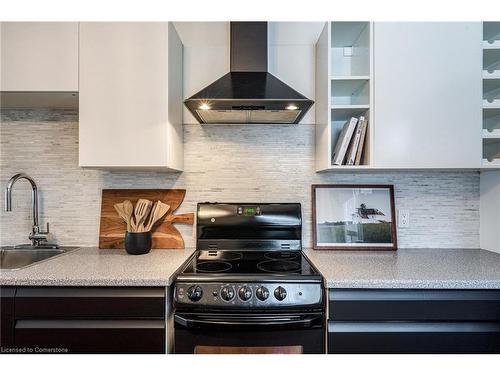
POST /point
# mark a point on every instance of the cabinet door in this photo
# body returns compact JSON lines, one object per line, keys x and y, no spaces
{"x":405,"y":305}
{"x":90,"y":319}
{"x":395,"y":337}
{"x":427,"y":95}
{"x":413,"y":321}
{"x":92,"y":336}
{"x":7,"y":295}
{"x":90,"y":302}
{"x":130,"y":96}
{"x":39,"y":56}
{"x":489,"y":208}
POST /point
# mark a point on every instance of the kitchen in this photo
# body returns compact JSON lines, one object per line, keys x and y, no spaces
{"x":103,"y":117}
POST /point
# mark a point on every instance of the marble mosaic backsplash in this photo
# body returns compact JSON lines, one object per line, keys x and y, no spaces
{"x":265,"y":163}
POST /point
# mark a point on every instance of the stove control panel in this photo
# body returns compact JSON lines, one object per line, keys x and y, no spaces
{"x":248,"y":295}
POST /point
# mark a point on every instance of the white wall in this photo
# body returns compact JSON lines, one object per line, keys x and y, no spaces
{"x":268,"y":163}
{"x":291,"y":56}
{"x":490,"y":210}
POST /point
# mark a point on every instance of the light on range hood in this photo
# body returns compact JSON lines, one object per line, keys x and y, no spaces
{"x":248,"y":94}
{"x":204,"y":106}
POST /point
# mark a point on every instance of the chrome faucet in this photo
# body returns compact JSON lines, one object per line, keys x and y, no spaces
{"x":38,"y":238}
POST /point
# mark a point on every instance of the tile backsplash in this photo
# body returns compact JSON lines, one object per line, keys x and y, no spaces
{"x":271,"y":163}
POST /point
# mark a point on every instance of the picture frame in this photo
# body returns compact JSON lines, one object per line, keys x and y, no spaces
{"x":353,"y":217}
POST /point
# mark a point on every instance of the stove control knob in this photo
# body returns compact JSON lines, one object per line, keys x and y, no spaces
{"x":262,"y":293}
{"x":195,"y":293}
{"x":245,"y":293}
{"x":280,"y":293}
{"x":227,"y":293}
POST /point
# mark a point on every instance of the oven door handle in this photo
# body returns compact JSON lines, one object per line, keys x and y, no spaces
{"x":276,"y":321}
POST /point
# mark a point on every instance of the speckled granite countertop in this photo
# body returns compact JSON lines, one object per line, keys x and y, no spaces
{"x":406,"y":268}
{"x":94,"y":267}
{"x":409,"y":268}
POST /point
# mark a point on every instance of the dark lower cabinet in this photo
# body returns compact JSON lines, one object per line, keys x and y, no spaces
{"x":7,"y":295}
{"x":89,"y":320}
{"x":413,"y":321}
{"x":91,"y":336}
{"x":416,"y":337}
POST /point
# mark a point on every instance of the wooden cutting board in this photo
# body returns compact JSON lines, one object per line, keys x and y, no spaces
{"x":165,"y":235}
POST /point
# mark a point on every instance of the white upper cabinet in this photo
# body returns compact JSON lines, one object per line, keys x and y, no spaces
{"x":130,"y":96}
{"x":427,"y":95}
{"x":39,"y":56}
{"x":344,"y":81}
{"x":489,"y":207}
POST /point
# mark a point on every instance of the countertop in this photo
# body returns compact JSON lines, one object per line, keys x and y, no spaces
{"x":93,"y":267}
{"x":409,"y":268}
{"x":405,"y":268}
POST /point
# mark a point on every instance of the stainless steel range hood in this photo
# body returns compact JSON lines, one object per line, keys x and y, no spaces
{"x":248,"y":94}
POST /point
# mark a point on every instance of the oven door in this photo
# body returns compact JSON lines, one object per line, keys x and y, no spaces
{"x":249,"y":333}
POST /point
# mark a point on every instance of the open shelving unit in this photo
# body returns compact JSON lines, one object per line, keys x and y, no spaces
{"x":344,"y":76}
{"x":491,"y":95}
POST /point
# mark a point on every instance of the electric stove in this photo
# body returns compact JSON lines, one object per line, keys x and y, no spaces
{"x":249,"y":288}
{"x":249,"y":257}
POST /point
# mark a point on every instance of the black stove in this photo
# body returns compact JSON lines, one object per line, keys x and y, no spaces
{"x":249,"y":288}
{"x":245,"y":250}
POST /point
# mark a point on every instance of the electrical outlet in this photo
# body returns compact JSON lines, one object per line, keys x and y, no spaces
{"x":348,"y":51}
{"x":403,"y":218}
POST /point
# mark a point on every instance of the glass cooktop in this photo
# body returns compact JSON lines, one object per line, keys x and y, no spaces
{"x":207,"y":262}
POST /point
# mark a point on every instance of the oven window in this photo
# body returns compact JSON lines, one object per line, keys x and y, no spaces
{"x":206,"y":349}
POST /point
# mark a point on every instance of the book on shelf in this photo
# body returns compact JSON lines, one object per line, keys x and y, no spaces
{"x":339,"y":152}
{"x":350,"y":142}
{"x":354,"y":145}
{"x":359,"y":151}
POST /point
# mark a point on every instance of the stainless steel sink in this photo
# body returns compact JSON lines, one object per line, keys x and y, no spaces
{"x":14,"y":259}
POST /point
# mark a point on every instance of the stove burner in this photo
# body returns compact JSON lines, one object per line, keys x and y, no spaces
{"x":217,"y":255}
{"x":210,"y":267}
{"x":281,"y":255}
{"x":280,"y":266}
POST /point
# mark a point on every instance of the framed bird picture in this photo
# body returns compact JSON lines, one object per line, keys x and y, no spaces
{"x":353,"y":217}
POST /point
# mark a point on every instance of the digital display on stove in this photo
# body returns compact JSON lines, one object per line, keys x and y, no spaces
{"x":249,"y":211}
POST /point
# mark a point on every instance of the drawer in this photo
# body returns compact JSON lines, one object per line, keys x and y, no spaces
{"x":7,"y":295}
{"x":40,"y":303}
{"x":91,"y":336}
{"x":413,"y":305}
{"x":413,"y":337}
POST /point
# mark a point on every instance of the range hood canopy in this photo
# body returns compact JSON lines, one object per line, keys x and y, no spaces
{"x":248,"y":93}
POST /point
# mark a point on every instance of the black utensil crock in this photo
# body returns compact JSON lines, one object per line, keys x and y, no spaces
{"x":138,"y":243}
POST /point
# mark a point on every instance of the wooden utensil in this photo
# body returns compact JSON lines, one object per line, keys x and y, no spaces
{"x":165,"y":235}
{"x":159,"y":209}
{"x":147,"y":222}
{"x":142,"y":208}
{"x":121,"y":211}
{"x":128,"y":209}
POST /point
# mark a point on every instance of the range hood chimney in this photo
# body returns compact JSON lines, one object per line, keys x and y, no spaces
{"x":248,"y":94}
